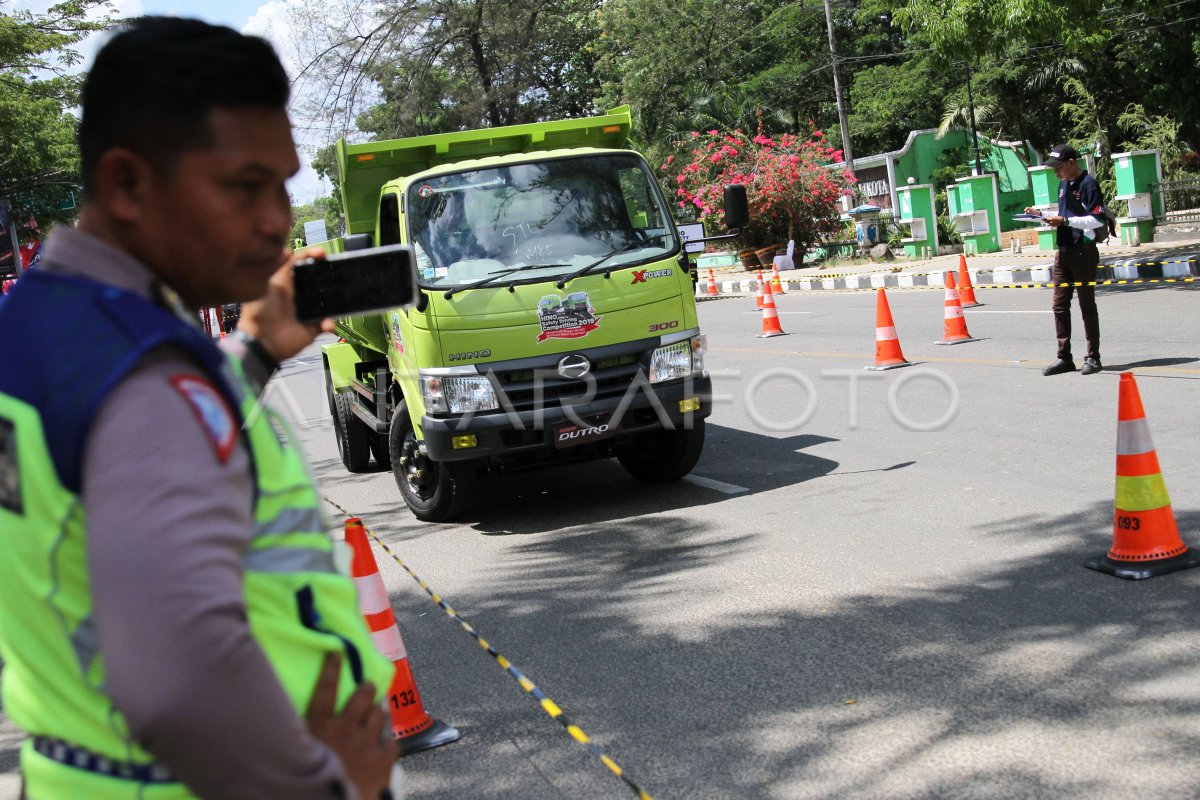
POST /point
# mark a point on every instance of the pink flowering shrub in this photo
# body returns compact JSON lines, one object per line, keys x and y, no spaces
{"x":792,"y":193}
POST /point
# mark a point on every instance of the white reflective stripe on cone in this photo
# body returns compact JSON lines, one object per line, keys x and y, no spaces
{"x":372,"y":594}
{"x":389,"y":643}
{"x":1133,"y":437}
{"x":953,"y":311}
{"x":885,"y":334}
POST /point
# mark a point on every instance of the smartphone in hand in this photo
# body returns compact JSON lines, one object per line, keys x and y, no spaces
{"x":355,"y":282}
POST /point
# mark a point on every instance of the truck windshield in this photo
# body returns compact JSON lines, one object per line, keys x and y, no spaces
{"x":538,"y":220}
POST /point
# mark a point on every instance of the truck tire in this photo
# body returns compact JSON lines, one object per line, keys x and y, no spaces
{"x":353,"y":438}
{"x":434,"y":491}
{"x":381,"y":450}
{"x":663,"y":456}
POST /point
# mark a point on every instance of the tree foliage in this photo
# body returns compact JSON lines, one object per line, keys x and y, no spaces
{"x":793,"y":194}
{"x":409,"y":67}
{"x":322,"y":208}
{"x":39,"y":157}
{"x":403,"y":67}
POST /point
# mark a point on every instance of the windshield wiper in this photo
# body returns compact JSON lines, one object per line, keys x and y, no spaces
{"x":625,"y":248}
{"x":497,"y":275}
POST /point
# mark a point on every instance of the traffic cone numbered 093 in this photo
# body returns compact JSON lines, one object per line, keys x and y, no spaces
{"x":955,"y":324}
{"x":412,"y":725}
{"x":1146,"y":539}
{"x":887,"y":344}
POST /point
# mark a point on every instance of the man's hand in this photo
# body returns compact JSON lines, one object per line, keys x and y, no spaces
{"x":358,"y":734}
{"x":272,"y":318}
{"x":1054,"y":220}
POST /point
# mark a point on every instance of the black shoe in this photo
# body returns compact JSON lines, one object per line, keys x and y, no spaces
{"x":1059,"y":367}
{"x":1091,"y":366}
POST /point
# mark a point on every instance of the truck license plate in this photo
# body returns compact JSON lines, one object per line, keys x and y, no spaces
{"x":569,"y":434}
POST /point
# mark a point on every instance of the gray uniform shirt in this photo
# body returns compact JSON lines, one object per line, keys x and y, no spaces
{"x":169,"y":520}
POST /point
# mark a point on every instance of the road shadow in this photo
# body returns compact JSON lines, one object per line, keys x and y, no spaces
{"x":1014,"y":678}
{"x":1150,"y":362}
{"x":591,"y":492}
{"x":601,"y":491}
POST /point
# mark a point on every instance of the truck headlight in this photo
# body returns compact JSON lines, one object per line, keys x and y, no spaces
{"x":458,"y":394}
{"x":677,"y":360}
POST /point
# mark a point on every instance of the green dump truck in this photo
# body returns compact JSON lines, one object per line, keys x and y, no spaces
{"x":556,"y":320}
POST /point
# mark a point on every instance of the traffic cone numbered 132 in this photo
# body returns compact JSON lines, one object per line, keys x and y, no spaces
{"x":412,"y":725}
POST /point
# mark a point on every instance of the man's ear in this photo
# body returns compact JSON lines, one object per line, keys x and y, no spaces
{"x":123,"y":181}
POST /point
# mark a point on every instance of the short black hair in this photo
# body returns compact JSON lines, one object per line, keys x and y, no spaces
{"x":153,"y":85}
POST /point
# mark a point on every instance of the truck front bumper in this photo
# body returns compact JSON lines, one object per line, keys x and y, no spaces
{"x":648,"y":407}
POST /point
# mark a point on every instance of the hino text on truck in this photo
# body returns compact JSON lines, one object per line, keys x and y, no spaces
{"x":555,"y":321}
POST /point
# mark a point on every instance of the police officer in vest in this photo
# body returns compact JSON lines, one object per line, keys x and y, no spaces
{"x":1081,"y":222}
{"x":172,"y":621}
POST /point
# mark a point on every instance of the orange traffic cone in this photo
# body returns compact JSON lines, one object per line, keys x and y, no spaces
{"x":758,"y":297}
{"x":955,"y":325}
{"x":966,"y":292}
{"x":712,"y":283}
{"x":776,"y":284}
{"x":770,"y":323}
{"x":1145,"y":539}
{"x":412,"y":725}
{"x":887,"y":345}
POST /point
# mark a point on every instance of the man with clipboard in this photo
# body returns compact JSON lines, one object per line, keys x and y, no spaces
{"x":1081,"y":222}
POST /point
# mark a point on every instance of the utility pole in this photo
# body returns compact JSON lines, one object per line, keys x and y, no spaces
{"x":837,"y":90}
{"x":971,"y":110}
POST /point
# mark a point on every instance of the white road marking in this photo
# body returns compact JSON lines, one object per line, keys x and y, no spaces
{"x":709,"y":483}
{"x":999,"y":311}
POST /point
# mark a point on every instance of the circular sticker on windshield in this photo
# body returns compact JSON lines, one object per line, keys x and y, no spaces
{"x":425,"y":191}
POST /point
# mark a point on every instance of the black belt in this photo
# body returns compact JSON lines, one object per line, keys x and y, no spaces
{"x":72,"y":755}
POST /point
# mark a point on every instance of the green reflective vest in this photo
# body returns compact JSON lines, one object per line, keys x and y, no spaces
{"x":300,"y":606}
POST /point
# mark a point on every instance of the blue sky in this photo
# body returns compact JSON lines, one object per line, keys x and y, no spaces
{"x":234,"y":13}
{"x":266,"y":18}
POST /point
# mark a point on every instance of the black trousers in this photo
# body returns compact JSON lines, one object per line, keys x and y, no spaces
{"x":1076,"y":265}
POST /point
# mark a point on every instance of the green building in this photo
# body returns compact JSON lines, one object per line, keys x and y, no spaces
{"x":881,"y":176}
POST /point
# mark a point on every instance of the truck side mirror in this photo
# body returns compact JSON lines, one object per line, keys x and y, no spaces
{"x":737,"y":208}
{"x":357,"y":241}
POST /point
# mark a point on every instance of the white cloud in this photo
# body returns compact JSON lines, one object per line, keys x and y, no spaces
{"x":273,"y":22}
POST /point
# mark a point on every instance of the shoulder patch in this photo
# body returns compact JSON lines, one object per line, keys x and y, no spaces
{"x":211,"y":410}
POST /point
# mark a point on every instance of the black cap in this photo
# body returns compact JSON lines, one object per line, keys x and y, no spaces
{"x":1061,"y":154}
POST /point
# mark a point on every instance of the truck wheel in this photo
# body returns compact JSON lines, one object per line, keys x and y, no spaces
{"x":329,"y":392}
{"x":434,"y":491}
{"x":663,"y":456}
{"x":380,"y":449}
{"x":354,"y":444}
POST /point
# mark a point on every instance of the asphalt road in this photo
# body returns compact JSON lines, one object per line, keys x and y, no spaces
{"x":877,"y":599}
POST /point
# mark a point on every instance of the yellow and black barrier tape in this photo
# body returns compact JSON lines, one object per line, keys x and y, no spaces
{"x":1181,"y":259}
{"x":1052,"y":285}
{"x":548,"y":705}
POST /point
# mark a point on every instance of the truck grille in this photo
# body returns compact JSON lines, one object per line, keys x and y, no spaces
{"x":609,"y":378}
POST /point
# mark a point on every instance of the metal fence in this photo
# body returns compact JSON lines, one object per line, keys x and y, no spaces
{"x":1181,"y":200}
